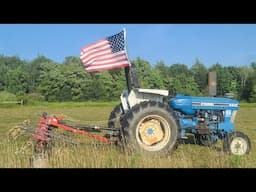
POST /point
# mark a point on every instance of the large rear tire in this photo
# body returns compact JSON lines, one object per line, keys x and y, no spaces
{"x":114,"y":122}
{"x":114,"y":117}
{"x":150,"y":128}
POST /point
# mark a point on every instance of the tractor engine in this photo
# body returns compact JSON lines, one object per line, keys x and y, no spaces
{"x":207,"y":120}
{"x":206,"y":117}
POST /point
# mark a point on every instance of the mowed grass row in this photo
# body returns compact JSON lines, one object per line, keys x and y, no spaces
{"x":94,"y":154}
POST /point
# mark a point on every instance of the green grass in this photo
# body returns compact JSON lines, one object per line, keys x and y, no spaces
{"x":247,"y":105}
{"x":93,"y":154}
{"x":62,"y":104}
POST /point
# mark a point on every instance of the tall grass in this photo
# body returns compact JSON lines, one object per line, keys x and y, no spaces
{"x":93,"y":154}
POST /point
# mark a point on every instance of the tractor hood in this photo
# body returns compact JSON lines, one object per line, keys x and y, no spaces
{"x":189,"y":104}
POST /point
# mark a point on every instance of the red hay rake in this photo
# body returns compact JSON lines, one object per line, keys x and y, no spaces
{"x":43,"y":133}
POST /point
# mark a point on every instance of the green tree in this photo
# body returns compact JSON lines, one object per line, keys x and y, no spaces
{"x":253,"y":94}
{"x":253,"y":65}
{"x":224,"y":79}
{"x":178,"y":69}
{"x":3,"y":77}
{"x":182,"y":84}
{"x":18,"y":81}
{"x":35,"y":68}
{"x":246,"y":82}
{"x":234,"y":80}
{"x":148,"y":76}
{"x":6,"y":64}
{"x":163,"y":70}
{"x":200,"y":74}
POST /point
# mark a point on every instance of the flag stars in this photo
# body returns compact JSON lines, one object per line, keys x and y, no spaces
{"x":117,"y":42}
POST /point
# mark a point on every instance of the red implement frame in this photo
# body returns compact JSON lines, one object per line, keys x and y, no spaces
{"x":42,"y":131}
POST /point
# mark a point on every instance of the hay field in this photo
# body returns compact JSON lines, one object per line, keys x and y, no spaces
{"x":93,"y":154}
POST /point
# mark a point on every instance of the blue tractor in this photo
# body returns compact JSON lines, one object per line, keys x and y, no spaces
{"x":210,"y":119}
{"x":147,"y":122}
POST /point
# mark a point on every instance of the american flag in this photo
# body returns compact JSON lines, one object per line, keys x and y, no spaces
{"x":106,"y":54}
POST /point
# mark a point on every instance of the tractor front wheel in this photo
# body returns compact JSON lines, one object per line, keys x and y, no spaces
{"x":237,"y":143}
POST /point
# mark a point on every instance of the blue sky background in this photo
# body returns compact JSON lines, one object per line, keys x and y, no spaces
{"x":228,"y":44}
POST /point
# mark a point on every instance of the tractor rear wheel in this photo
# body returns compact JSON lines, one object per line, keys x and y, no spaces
{"x":114,"y":117}
{"x":150,"y":128}
{"x":237,"y":143}
{"x":114,"y":122}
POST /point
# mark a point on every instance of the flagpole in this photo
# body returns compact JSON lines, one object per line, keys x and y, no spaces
{"x":127,"y":69}
{"x":126,"y":53}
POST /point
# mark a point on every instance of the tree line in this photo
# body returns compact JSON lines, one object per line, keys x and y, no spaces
{"x":45,"y":80}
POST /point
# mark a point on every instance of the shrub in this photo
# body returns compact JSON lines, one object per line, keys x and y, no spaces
{"x":6,"y":96}
{"x":35,"y":97}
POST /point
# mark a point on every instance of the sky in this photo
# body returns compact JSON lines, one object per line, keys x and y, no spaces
{"x":227,"y":44}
